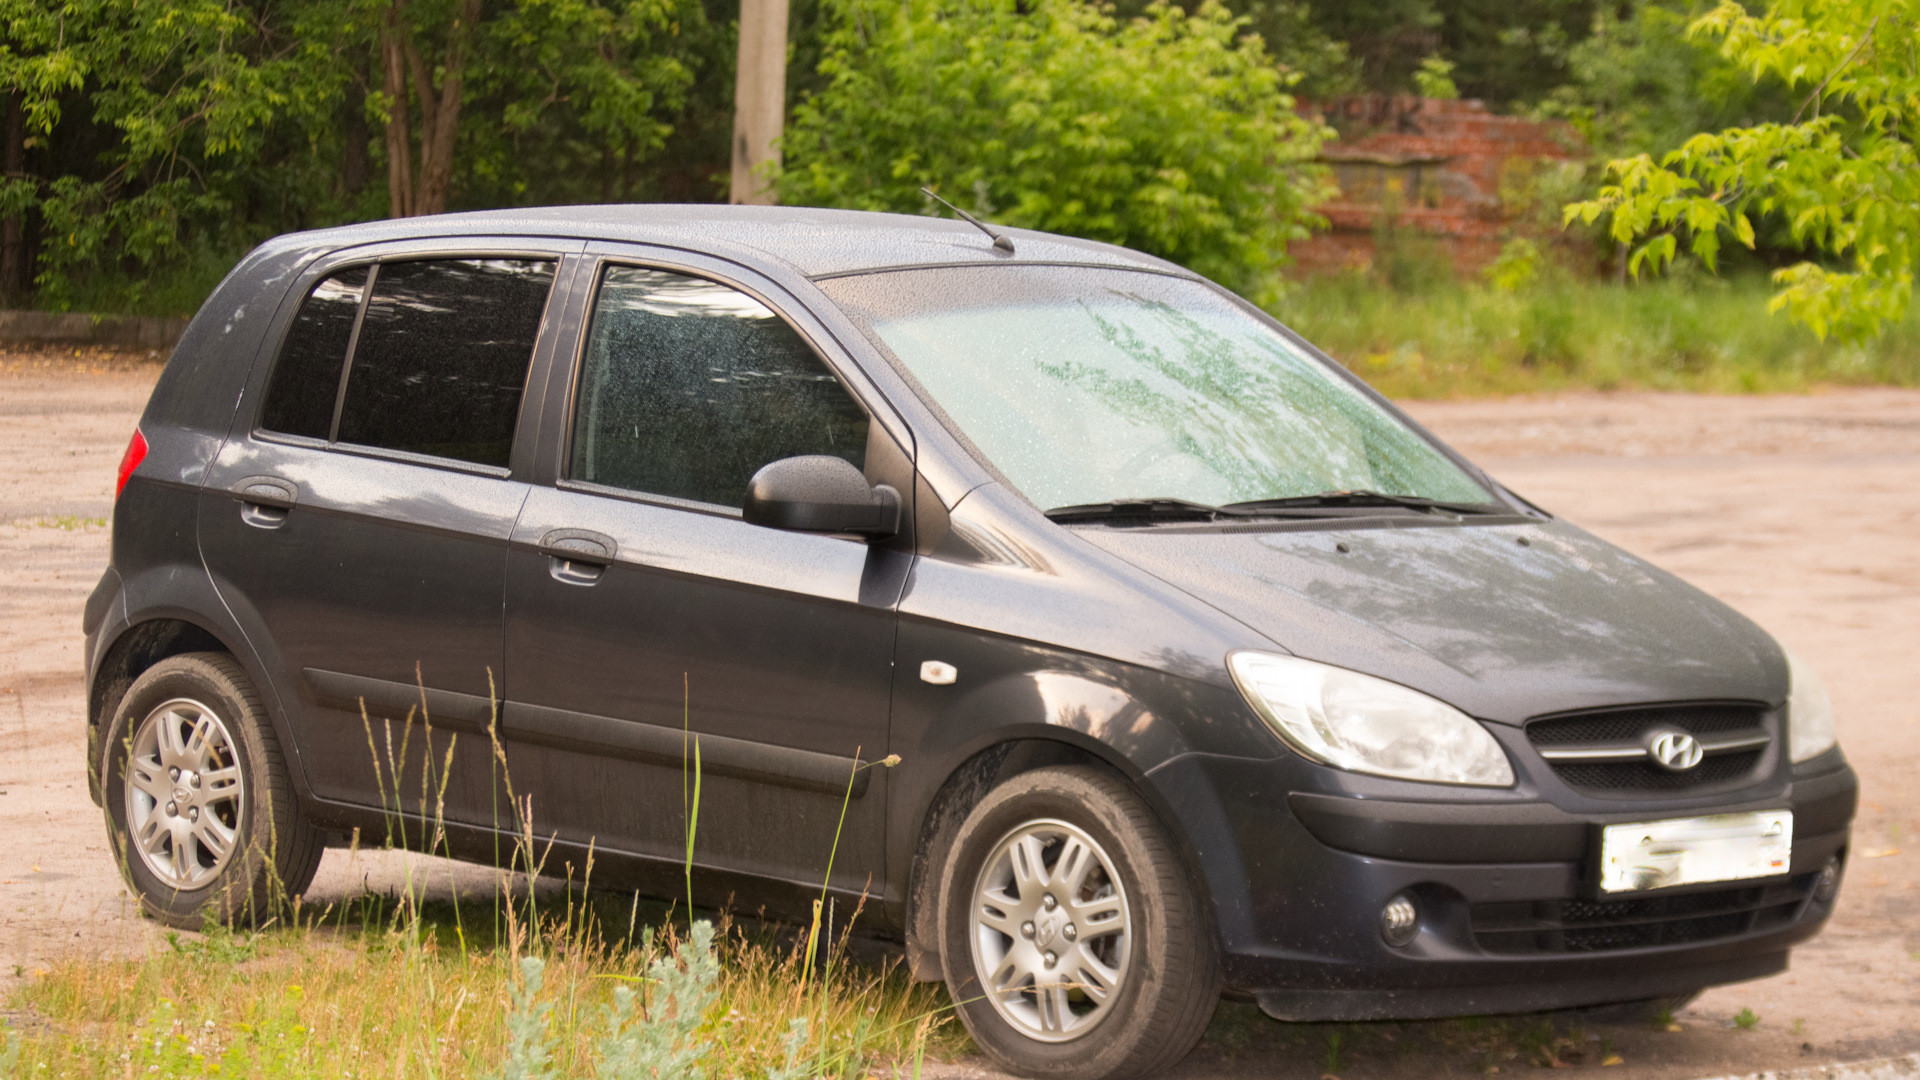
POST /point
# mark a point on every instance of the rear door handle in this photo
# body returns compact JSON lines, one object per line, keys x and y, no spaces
{"x":265,"y":500}
{"x":577,"y":556}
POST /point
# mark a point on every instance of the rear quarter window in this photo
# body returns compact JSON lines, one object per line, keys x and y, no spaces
{"x":306,"y":381}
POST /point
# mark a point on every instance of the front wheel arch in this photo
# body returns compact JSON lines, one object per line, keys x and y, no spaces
{"x":964,"y":787}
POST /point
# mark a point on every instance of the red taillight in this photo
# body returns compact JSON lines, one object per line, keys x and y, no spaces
{"x":136,"y":453}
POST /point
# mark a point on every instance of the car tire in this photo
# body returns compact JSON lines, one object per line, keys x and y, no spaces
{"x":200,"y":809}
{"x":1066,"y":874}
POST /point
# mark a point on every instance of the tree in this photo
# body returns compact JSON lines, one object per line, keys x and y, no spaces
{"x":1172,"y":133}
{"x":578,"y":83}
{"x":1842,"y":172}
{"x":177,"y":134}
{"x":1640,"y":83}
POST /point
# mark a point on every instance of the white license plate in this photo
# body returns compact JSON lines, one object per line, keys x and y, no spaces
{"x":1688,"y":851}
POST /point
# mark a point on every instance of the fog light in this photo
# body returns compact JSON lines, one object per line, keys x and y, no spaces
{"x":1828,"y":883}
{"x":1399,"y":920}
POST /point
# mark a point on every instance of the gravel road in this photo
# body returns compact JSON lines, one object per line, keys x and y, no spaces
{"x":1800,"y":511}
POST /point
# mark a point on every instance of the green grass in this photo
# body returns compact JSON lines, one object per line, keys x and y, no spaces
{"x":520,"y":985}
{"x":65,"y":523}
{"x":1454,"y":339}
{"x":366,"y":994}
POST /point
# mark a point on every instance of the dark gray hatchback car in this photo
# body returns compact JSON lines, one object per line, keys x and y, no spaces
{"x":1207,"y":669}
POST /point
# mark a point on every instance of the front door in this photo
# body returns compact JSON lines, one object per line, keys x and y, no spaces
{"x":644,"y":615}
{"x":358,"y":528}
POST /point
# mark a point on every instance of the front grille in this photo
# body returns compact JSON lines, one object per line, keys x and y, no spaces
{"x":1626,"y":731}
{"x":1623,"y":725}
{"x":1646,"y":776}
{"x":1585,"y":926}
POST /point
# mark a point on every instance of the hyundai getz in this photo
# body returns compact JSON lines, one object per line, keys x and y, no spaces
{"x":1206,"y":668}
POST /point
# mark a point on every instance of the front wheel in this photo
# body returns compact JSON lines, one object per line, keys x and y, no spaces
{"x":198,"y":802}
{"x":1073,"y":944}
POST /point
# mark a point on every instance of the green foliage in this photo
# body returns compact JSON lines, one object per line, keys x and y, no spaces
{"x":1842,"y":173}
{"x":1746,"y":1019}
{"x":164,"y":139}
{"x":570,"y":96}
{"x":664,"y":1041}
{"x":1172,"y":133}
{"x":1639,"y":83}
{"x":1434,"y":79}
{"x":1517,"y":267}
{"x":1507,"y":52}
{"x":529,"y":1047}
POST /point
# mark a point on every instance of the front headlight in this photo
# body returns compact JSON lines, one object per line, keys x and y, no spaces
{"x":1353,"y":721}
{"x":1810,"y":730}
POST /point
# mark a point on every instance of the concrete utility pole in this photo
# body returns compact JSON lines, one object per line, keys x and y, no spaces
{"x":759,"y":98}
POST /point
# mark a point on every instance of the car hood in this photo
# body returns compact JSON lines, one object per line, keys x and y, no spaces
{"x":1504,"y":622}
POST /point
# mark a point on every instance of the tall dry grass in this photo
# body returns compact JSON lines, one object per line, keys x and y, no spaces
{"x":523,"y":981}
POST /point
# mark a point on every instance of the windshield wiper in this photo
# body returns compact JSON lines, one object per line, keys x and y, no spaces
{"x":1362,"y":499}
{"x":1149,"y":511}
{"x":1140,"y":510}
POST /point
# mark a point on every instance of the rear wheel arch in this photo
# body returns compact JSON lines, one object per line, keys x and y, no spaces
{"x":136,"y":649}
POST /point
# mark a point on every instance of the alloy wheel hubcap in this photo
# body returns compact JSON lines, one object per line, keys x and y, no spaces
{"x":184,"y":793}
{"x":1051,"y":931}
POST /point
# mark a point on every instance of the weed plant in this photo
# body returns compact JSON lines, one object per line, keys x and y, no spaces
{"x":1432,"y":335}
{"x":529,"y":981}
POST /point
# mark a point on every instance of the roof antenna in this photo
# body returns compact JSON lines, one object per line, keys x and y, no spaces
{"x":1000,"y":240}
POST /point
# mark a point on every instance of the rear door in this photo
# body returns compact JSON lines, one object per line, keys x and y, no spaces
{"x":644,"y":614}
{"x":358,"y":525}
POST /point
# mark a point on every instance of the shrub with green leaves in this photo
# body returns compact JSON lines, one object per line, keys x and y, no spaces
{"x":1843,"y":172}
{"x":1173,"y":133}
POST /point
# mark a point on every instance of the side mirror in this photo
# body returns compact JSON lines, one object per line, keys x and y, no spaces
{"x":818,"y":493}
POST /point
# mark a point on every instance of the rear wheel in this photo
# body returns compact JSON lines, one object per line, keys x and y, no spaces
{"x":1073,"y":944}
{"x":198,"y":802}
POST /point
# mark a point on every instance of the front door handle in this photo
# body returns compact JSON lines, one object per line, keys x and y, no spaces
{"x":265,"y":500}
{"x":577,"y":556}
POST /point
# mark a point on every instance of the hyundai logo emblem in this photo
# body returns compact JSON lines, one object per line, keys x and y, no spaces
{"x":1675,"y":751}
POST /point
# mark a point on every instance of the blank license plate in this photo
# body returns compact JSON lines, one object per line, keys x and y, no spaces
{"x":1688,"y":851}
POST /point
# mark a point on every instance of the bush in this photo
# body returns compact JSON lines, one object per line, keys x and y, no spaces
{"x":1171,"y":133}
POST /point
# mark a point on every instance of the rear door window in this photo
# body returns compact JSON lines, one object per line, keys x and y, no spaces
{"x":434,"y":354}
{"x":689,"y":387}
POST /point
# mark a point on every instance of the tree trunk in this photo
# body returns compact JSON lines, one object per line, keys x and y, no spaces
{"x":13,"y":246}
{"x":412,"y":194}
{"x":759,"y":99}
{"x":399,"y":144}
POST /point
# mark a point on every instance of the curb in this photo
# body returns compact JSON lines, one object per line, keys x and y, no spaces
{"x":127,"y":332}
{"x":1893,"y":1068}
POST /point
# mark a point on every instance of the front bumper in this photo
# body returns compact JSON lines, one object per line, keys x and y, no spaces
{"x":1509,"y":921}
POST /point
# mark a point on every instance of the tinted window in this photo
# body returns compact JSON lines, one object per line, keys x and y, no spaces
{"x":442,"y":357}
{"x":690,"y":387}
{"x":307,"y":378}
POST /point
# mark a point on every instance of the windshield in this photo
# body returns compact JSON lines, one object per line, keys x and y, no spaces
{"x":1086,"y":385}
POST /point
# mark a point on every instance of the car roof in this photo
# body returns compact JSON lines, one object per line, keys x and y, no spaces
{"x":811,"y":241}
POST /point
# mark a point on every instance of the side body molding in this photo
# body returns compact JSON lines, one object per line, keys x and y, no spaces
{"x":806,"y":770}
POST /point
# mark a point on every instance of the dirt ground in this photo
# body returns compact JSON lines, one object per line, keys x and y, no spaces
{"x":1800,"y":511}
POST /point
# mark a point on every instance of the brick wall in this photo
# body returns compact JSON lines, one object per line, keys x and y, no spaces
{"x":1435,"y":167}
